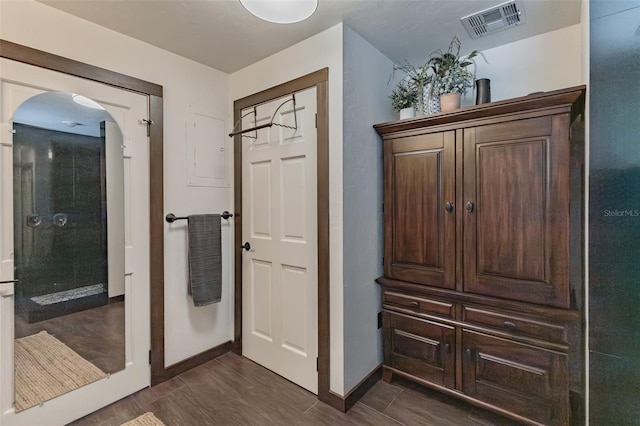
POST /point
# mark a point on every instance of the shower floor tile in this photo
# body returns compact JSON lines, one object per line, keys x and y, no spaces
{"x":63,"y":296}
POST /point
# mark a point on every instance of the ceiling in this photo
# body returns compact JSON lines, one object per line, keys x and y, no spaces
{"x":223,"y":35}
{"x":57,"y":111}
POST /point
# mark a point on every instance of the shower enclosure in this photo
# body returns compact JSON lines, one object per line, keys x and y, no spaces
{"x":60,"y":222}
{"x":614,"y":212}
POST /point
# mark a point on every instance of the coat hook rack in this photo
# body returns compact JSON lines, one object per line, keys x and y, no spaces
{"x":271,"y":123}
{"x":172,"y":217}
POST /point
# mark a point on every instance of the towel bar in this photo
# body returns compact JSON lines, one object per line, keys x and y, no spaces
{"x":172,"y":217}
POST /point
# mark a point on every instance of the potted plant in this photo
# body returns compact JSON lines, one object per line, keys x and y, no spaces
{"x":404,"y":98}
{"x":415,"y":79}
{"x":451,"y":77}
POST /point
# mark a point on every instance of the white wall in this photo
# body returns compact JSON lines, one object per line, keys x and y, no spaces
{"x":546,"y":62}
{"x":317,"y":52}
{"x":188,"y":86}
{"x":365,"y":103}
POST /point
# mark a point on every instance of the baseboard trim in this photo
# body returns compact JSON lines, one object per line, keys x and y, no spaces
{"x":344,"y":403}
{"x":194,"y":361}
{"x":116,"y":299}
{"x":363,"y":387}
{"x":333,"y":400}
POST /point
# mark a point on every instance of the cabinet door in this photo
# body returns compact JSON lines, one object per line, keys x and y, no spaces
{"x":419,"y":209}
{"x":516,"y":223}
{"x":525,"y":380}
{"x":424,"y":349}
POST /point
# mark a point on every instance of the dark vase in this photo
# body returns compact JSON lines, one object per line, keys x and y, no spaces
{"x":483,"y":91}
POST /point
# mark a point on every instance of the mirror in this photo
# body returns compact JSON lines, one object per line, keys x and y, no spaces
{"x":68,"y":188}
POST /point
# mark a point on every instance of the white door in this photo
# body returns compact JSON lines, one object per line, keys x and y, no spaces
{"x":280,"y":272}
{"x":19,"y":82}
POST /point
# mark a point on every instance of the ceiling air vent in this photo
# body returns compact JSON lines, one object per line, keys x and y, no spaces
{"x":494,"y":19}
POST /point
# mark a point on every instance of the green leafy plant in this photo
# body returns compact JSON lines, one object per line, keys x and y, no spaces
{"x":446,"y":71}
{"x":404,"y":95}
{"x":415,"y":79}
{"x":414,"y":76}
{"x":450,"y":71}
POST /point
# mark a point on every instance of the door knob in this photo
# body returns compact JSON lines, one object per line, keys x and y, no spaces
{"x":246,"y":246}
{"x":448,"y":207}
{"x":469,"y":206}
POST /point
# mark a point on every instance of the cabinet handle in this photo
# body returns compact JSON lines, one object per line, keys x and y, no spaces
{"x":414,"y":303}
{"x":469,"y":206}
{"x":510,"y":325}
{"x":447,"y":348}
{"x":448,"y":207}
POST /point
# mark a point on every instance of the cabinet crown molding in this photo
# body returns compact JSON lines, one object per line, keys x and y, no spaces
{"x":570,"y":99}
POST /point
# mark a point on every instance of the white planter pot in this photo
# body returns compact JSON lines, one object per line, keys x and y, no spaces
{"x":407,"y":113}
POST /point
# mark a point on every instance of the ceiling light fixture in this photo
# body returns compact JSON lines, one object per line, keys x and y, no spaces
{"x":84,"y":101}
{"x":281,"y":11}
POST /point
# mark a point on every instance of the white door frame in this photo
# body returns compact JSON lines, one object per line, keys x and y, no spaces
{"x":319,"y":79}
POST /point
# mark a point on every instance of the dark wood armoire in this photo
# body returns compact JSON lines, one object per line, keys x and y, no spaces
{"x":483,"y":261}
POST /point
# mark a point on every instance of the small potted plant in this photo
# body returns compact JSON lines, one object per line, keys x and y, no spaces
{"x":451,"y":77}
{"x":415,"y":78}
{"x":404,"y":98}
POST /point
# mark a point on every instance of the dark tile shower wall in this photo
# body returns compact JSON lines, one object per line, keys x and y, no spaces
{"x":77,"y":184}
{"x":614,"y":215}
{"x":60,"y":174}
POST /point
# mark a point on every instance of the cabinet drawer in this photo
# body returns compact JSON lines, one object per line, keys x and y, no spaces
{"x":418,"y":304}
{"x":516,"y":324}
{"x":528,"y":381}
{"x":422,"y":348}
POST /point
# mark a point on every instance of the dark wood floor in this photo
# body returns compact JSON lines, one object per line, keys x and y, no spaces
{"x":232,"y":390}
{"x":96,"y":334}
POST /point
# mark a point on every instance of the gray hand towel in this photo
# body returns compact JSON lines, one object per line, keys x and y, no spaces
{"x":205,"y":259}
